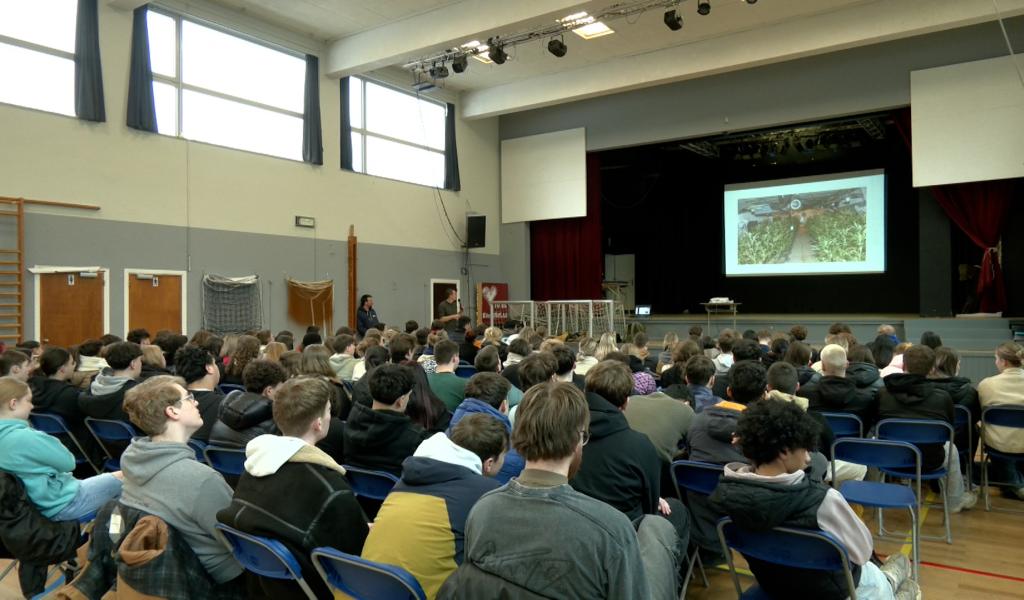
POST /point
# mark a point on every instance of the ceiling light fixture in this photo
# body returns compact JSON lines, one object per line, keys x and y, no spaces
{"x":459,"y":63}
{"x":497,"y":53}
{"x":593,"y":30}
{"x":557,"y":47}
{"x":704,"y":7}
{"x":438,"y":72}
{"x":673,"y":20}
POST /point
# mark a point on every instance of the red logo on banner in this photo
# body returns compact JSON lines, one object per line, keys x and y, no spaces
{"x":486,"y":293}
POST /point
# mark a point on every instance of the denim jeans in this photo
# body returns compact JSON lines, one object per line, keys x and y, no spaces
{"x":1006,"y":473}
{"x":663,"y":541}
{"x":92,"y":494}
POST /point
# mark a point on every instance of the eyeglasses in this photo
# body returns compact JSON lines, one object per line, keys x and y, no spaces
{"x":584,"y":436}
{"x":190,"y":397}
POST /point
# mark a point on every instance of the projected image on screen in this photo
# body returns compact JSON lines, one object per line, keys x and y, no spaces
{"x":825,"y":225}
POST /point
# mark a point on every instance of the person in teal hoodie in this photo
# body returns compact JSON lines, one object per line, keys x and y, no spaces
{"x":44,"y":465}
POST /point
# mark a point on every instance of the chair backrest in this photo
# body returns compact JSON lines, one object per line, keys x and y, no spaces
{"x":375,"y":485}
{"x":365,"y":579}
{"x":883,"y":454}
{"x":111,"y":430}
{"x":1003,"y":416}
{"x":961,"y":416}
{"x":227,"y":388}
{"x":264,"y":556}
{"x":787,"y":546}
{"x":199,"y":447}
{"x":844,"y":424}
{"x":695,"y":476}
{"x":54,"y":425}
{"x":465,"y":371}
{"x":227,"y":461}
{"x":915,"y":431}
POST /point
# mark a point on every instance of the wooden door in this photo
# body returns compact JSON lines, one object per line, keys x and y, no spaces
{"x":154,"y":302}
{"x":70,"y":307}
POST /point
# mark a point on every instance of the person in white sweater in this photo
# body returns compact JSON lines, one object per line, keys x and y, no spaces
{"x":1006,"y":388}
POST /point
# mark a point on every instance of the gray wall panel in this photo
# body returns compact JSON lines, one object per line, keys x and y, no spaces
{"x":397,"y":276}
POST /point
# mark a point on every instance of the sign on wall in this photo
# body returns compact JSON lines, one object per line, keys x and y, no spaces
{"x":486,"y":293}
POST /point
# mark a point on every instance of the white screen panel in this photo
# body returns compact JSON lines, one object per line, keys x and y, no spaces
{"x":544,"y":176}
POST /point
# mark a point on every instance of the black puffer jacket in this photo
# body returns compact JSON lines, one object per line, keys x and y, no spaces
{"x":909,"y":396}
{"x":840,"y":394}
{"x":57,"y":397}
{"x":243,"y":416}
{"x":380,"y":439}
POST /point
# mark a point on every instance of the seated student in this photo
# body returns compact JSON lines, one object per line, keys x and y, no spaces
{"x":246,"y":415}
{"x":138,"y":336}
{"x":835,"y":392}
{"x":912,"y":395}
{"x":723,"y":362}
{"x":488,"y":360}
{"x":246,"y":350}
{"x":199,"y":370}
{"x":106,"y":394}
{"x":448,"y":386}
{"x":564,"y":544}
{"x":1005,"y":388}
{"x":774,"y":491}
{"x":534,"y":369}
{"x":381,"y":436}
{"x":153,"y":362}
{"x":163,"y":478}
{"x":863,"y":371}
{"x":585,"y":359}
{"x":664,"y":417}
{"x":51,"y":391}
{"x":799,"y":355}
{"x":486,"y":394}
{"x":741,"y":350}
{"x":89,"y":359}
{"x":344,"y":359}
{"x":293,"y":492}
{"x":946,"y":376}
{"x":43,"y":464}
{"x":375,"y":356}
{"x":699,"y":374}
{"x":566,"y":365}
{"x":16,"y":364}
{"x":621,"y":466}
{"x":518,"y":350}
{"x":422,"y":525}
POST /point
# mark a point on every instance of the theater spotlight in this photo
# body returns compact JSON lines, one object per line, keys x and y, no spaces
{"x":459,"y":63}
{"x":673,"y":20}
{"x":498,"y":54}
{"x":557,"y":47}
{"x":704,"y":7}
{"x":438,"y":72}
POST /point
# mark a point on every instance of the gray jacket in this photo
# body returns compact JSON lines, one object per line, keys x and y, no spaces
{"x":164,"y":479}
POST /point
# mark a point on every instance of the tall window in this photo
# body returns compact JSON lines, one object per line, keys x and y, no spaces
{"x":396,"y":134}
{"x":218,"y":87}
{"x":37,"y":54}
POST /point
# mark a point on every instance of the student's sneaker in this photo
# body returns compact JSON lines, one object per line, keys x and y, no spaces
{"x":967,"y":502}
{"x":897,"y":569}
{"x":909,"y":590}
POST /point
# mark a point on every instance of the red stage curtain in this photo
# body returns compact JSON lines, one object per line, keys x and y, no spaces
{"x":566,"y":262}
{"x":979,"y":209}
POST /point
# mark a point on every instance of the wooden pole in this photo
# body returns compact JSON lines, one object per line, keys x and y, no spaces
{"x":352,"y":266}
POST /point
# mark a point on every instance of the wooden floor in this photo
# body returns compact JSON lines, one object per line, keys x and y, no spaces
{"x":985,"y":561}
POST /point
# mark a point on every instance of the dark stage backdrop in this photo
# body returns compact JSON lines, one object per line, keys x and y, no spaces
{"x":664,"y":205}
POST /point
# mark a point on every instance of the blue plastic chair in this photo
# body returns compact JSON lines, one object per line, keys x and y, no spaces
{"x":110,"y":430}
{"x":264,"y":557}
{"x":921,"y":431}
{"x":786,"y":546}
{"x":226,"y":461}
{"x":883,"y":454}
{"x":199,"y":447}
{"x":699,"y":478}
{"x":364,"y":579}
{"x":998,"y":416}
{"x":227,"y":388}
{"x":844,"y":424}
{"x":465,"y":371}
{"x":367,"y":483}
{"x":54,"y":425}
{"x":962,"y":421}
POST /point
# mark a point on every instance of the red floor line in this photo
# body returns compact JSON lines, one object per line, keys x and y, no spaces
{"x":971,"y":571}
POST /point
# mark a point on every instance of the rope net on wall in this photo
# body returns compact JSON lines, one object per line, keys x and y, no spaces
{"x":312,"y":303}
{"x":232,"y":304}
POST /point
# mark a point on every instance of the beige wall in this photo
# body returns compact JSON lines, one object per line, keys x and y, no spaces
{"x":150,"y":178}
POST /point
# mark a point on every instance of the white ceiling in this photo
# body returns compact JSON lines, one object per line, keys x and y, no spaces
{"x":362,"y":36}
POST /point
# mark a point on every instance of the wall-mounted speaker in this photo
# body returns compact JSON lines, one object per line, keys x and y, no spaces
{"x":476,"y":230}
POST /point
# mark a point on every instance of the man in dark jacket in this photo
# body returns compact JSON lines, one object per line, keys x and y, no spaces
{"x":382,"y":436}
{"x":910,"y":395}
{"x":105,"y":397}
{"x":620,"y":466}
{"x":199,"y":370}
{"x":245,"y":415}
{"x":366,"y":317}
{"x":265,"y":503}
{"x":835,"y":392}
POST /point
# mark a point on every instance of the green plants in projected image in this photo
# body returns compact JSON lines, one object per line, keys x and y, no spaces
{"x":839,"y":236}
{"x":767,"y":242}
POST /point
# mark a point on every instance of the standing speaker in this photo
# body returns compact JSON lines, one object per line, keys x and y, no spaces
{"x":476,"y":228}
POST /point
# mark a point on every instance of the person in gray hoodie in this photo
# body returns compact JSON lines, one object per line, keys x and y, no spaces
{"x":163,"y":478}
{"x":106,"y":393}
{"x":343,"y":361}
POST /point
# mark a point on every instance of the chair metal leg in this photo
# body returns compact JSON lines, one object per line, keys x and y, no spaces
{"x":690,"y":560}
{"x":984,"y":481}
{"x":703,"y":573}
{"x":915,"y":543}
{"x":10,"y":567}
{"x":945,"y":510}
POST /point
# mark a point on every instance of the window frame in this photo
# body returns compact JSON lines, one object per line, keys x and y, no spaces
{"x":180,"y":86}
{"x":364,"y":132}
{"x":34,"y":47}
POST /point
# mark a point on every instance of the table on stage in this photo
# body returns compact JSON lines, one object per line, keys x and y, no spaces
{"x":720,"y":308}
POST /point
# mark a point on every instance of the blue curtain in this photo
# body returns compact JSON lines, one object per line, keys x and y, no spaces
{"x":89,"y":105}
{"x":141,"y":104}
{"x":451,"y":152}
{"x":312,"y":133}
{"x":346,"y":127}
